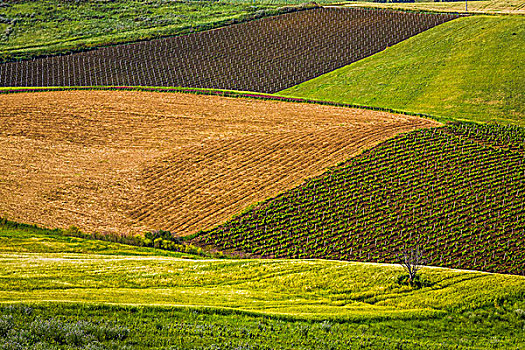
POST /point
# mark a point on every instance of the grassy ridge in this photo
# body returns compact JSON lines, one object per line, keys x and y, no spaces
{"x":326,"y":289}
{"x":466,"y":69}
{"x":61,"y":302}
{"x":454,"y":192}
{"x":21,"y":238}
{"x":46,"y":27}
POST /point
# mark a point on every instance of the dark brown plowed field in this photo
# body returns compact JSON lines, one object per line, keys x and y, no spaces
{"x":125,"y":162}
{"x":266,"y":55}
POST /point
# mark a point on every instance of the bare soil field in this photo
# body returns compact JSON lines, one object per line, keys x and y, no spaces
{"x":130,"y":161}
{"x":266,"y":55}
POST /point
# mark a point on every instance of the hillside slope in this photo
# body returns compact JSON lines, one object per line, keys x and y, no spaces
{"x":467,"y":69}
{"x":132,"y":161}
{"x":76,"y":299}
{"x":265,"y":55}
{"x":477,"y":6}
{"x":31,"y":28}
{"x":456,"y":193}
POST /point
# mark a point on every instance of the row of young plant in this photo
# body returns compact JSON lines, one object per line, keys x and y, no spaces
{"x":266,"y":55}
{"x":455,"y":192}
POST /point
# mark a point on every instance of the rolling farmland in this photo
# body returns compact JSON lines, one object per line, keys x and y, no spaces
{"x":455,"y":192}
{"x":266,"y":55}
{"x":83,"y":294}
{"x":39,"y":28}
{"x":128,"y":161}
{"x":467,"y":69}
{"x":222,"y":189}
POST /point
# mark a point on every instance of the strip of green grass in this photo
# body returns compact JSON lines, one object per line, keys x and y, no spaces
{"x":83,"y":296}
{"x":19,"y":238}
{"x":31,"y":28}
{"x":307,"y":288}
{"x":467,"y":69}
{"x":132,"y":327}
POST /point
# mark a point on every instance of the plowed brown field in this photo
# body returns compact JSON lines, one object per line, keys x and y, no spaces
{"x":129,"y":161}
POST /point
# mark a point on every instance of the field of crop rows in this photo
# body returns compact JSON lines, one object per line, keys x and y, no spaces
{"x":455,"y":192}
{"x":131,"y":161}
{"x":266,"y":55}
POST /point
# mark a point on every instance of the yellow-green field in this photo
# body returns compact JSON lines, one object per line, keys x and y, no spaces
{"x":87,"y":275}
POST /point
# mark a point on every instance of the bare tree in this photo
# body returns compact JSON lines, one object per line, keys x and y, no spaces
{"x":412,"y":261}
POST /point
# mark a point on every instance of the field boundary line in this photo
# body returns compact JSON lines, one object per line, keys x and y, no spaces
{"x":6,"y":56}
{"x":426,"y":11}
{"x":225,"y":93}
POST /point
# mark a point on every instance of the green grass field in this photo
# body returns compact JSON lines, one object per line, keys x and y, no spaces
{"x":467,"y":69}
{"x":63,"y":292}
{"x":46,"y":27}
{"x":111,"y":298}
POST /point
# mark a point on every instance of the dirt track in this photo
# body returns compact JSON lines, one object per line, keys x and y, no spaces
{"x":128,"y":162}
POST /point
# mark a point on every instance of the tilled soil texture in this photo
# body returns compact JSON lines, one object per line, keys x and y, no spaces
{"x":266,"y":55}
{"x":126,"y":162}
{"x":455,"y":193}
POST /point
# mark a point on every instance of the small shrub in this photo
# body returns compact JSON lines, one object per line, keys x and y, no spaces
{"x":326,"y":326}
{"x":416,"y":282}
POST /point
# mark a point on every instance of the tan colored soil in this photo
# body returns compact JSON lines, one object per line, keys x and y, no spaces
{"x":487,"y":6}
{"x":128,"y":162}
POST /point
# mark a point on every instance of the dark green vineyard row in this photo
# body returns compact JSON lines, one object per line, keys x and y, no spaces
{"x":456,"y":192}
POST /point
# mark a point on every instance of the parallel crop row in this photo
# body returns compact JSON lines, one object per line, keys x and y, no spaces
{"x":454,"y":192}
{"x":266,"y":55}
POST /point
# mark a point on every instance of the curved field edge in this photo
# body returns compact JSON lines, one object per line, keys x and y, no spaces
{"x":158,"y":301}
{"x":454,"y":192}
{"x":187,"y":18}
{"x":266,"y":55}
{"x":302,"y":288}
{"x":516,"y":7}
{"x":466,"y":69}
{"x":221,"y":92}
{"x":182,"y":173}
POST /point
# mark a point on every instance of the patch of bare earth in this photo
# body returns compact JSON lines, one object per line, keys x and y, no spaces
{"x":128,"y":162}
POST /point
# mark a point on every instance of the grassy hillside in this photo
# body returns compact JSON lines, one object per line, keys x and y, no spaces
{"x":476,"y":6}
{"x":455,"y":192}
{"x":31,"y":28}
{"x":467,"y":69}
{"x":62,"y":300}
{"x":21,"y":238}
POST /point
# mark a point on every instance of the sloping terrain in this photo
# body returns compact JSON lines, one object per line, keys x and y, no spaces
{"x":456,"y":193}
{"x":265,"y":55}
{"x":37,"y":28}
{"x":467,"y":69}
{"x":104,"y":300}
{"x":477,"y":6}
{"x":126,"y":162}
